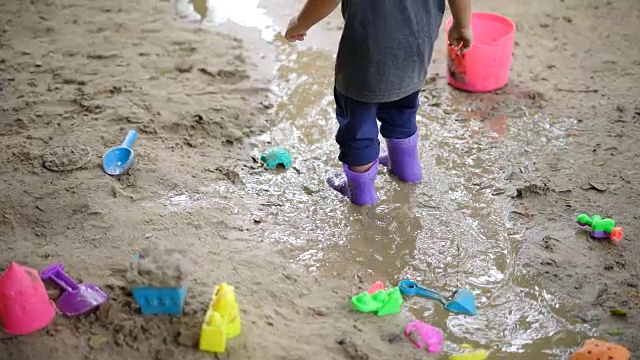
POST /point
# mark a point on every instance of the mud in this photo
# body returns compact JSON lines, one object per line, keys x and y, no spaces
{"x":506,"y":174}
{"x":160,"y":267}
{"x":589,"y":73}
{"x":86,"y":73}
{"x":576,"y":60}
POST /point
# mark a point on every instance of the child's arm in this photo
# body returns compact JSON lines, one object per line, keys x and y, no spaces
{"x":461,"y":12}
{"x":460,"y":31}
{"x":312,"y":13}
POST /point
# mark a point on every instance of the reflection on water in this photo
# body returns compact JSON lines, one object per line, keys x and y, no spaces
{"x":450,"y":231}
{"x":453,"y":230}
{"x":215,"y":12}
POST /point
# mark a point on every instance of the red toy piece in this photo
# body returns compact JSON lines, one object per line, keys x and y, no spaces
{"x":377,"y":286}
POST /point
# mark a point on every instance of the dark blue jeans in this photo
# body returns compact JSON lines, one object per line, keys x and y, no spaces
{"x":358,"y":132}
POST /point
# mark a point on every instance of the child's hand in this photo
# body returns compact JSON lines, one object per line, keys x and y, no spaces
{"x":295,"y":32}
{"x":460,"y":37}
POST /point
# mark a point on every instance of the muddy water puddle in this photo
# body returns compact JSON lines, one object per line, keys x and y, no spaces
{"x":455,"y":229}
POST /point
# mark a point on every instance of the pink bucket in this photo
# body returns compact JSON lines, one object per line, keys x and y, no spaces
{"x":485,"y":67}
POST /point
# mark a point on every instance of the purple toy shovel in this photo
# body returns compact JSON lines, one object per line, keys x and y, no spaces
{"x":76,"y":299}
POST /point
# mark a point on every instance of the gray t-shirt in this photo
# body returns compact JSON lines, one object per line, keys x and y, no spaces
{"x":386,"y":47}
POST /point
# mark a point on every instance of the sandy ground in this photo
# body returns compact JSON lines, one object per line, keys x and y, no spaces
{"x":83,"y":73}
{"x":583,"y":59}
{"x":77,"y":73}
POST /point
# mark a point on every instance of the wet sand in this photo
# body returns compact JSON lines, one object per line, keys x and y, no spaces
{"x":495,"y":213}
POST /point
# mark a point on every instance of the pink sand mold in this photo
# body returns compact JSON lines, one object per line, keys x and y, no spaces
{"x":430,"y":337}
{"x":25,"y":306}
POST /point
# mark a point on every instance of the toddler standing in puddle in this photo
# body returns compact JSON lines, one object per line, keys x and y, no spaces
{"x":382,"y":61}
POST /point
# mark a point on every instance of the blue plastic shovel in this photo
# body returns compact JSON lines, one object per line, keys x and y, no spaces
{"x":117,"y":160}
{"x":462,"y":301}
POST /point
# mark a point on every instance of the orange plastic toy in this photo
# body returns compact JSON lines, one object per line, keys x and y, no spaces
{"x":24,"y":303}
{"x":598,"y":349}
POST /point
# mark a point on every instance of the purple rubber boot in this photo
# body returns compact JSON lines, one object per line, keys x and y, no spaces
{"x":359,"y":188}
{"x":402,"y":159}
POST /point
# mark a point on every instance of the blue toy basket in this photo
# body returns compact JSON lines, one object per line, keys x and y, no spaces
{"x":160,"y":301}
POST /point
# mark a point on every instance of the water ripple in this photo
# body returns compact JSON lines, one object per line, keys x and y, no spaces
{"x":451,"y":231}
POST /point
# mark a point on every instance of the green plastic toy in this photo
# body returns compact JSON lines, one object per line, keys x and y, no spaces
{"x":274,"y":157}
{"x":600,"y":228}
{"x":383,"y":302}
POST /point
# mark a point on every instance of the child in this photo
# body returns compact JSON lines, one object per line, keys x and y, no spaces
{"x":381,"y":66}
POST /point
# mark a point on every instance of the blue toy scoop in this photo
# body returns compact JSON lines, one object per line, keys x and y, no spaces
{"x":117,"y":160}
{"x":462,"y":301}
